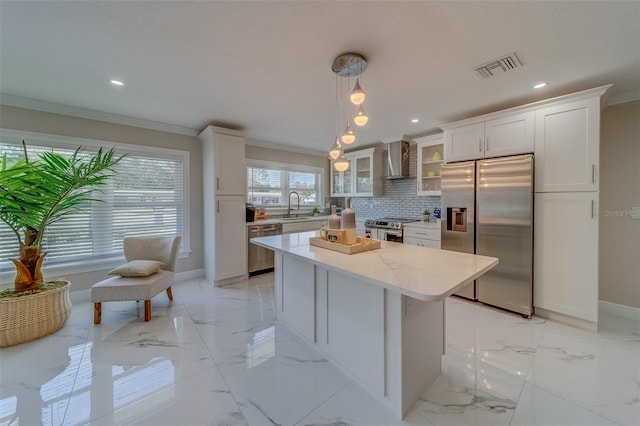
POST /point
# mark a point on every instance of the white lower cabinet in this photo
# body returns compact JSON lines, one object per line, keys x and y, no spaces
{"x":230,"y":241}
{"x":566,"y":254}
{"x":421,"y":235}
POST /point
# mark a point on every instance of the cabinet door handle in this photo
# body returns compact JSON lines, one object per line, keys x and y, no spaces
{"x":593,"y":209}
{"x":480,"y":145}
{"x":218,"y":206}
{"x":593,"y":173}
{"x":486,"y":146}
{"x":217,"y":183}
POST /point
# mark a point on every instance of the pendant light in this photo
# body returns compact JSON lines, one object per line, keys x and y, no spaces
{"x":357,"y":95}
{"x":341,"y":164}
{"x":335,"y":150}
{"x":348,"y":65}
{"x":361,"y":117}
{"x":348,"y":137}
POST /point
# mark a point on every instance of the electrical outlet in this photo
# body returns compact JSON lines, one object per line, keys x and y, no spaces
{"x":635,"y":212}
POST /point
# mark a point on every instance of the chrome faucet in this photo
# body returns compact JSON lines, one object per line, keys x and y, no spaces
{"x":289,"y":206}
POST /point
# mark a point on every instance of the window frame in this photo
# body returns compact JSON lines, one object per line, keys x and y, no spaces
{"x":10,"y":136}
{"x":289,"y":167}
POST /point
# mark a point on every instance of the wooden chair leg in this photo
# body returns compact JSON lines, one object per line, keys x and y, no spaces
{"x":169,"y":295}
{"x":97,"y":313}
{"x":147,"y":310}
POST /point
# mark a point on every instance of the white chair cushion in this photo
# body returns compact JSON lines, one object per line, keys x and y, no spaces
{"x":131,"y":288}
{"x":137,"y":268}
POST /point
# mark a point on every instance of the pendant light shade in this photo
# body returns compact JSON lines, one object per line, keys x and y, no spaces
{"x":357,"y":95}
{"x":348,"y":137}
{"x":335,"y":150}
{"x":341,"y":164}
{"x":361,"y":117}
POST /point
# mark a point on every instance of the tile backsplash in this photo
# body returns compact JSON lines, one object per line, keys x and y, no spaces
{"x":399,"y":198}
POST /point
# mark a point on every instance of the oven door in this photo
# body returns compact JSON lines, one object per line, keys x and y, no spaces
{"x":391,"y":235}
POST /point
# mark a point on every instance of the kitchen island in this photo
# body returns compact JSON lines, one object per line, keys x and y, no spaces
{"x":377,"y":315}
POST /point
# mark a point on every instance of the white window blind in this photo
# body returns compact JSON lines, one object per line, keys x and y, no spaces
{"x":145,"y":197}
{"x":269,"y":184}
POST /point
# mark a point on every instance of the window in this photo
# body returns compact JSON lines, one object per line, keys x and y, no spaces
{"x":145,"y":197}
{"x":269,"y":184}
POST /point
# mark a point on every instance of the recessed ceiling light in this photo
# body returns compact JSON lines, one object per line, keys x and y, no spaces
{"x":414,"y":120}
{"x":117,"y":83}
{"x":540,"y":85}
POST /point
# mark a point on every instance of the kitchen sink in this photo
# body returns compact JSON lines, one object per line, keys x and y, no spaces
{"x":299,"y":219}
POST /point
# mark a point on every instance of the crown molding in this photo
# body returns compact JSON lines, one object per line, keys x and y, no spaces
{"x":55,"y":108}
{"x":623,"y":98}
{"x":282,"y":147}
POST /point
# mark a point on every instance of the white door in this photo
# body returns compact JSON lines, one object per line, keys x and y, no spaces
{"x":567,"y":142}
{"x":464,"y":143}
{"x":566,"y":253}
{"x":231,"y":238}
{"x":231,"y":170}
{"x":509,"y":135}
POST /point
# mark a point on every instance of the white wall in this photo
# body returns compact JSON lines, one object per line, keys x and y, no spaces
{"x":56,"y":124}
{"x":619,"y":192}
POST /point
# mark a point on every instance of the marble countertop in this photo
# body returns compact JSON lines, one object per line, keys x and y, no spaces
{"x":283,"y":220}
{"x":419,"y":272}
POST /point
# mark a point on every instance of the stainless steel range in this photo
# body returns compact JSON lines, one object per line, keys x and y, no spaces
{"x":388,"y":228}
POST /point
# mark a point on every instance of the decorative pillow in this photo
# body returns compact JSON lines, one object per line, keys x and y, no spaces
{"x":138,"y":268}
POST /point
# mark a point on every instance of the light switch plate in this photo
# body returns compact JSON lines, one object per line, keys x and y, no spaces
{"x":635,"y":212}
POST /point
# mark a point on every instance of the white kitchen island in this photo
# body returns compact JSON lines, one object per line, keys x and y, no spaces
{"x":377,"y":315}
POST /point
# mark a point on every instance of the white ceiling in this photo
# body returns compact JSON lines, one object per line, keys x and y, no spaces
{"x":265,"y":66}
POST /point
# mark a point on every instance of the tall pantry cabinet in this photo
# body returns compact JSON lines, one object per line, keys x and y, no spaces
{"x":567,"y":141}
{"x":225,"y":192}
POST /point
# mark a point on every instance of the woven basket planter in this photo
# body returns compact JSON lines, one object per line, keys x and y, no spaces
{"x":33,"y":316}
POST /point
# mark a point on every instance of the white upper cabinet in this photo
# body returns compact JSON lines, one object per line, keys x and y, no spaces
{"x":464,"y":143}
{"x":362,"y":178}
{"x":430,"y":149}
{"x":567,"y":146}
{"x":230,"y":167}
{"x":508,"y":135}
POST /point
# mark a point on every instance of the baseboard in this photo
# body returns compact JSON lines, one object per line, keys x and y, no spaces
{"x":189,"y":275}
{"x":80,"y":296}
{"x":622,"y":311}
{"x":566,"y":319}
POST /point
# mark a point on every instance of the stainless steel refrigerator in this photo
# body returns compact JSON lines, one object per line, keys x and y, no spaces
{"x":487,"y":209}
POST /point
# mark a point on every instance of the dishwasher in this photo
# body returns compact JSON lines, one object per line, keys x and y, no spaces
{"x":261,"y":259}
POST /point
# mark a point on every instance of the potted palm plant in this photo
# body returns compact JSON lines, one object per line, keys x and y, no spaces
{"x":33,"y":195}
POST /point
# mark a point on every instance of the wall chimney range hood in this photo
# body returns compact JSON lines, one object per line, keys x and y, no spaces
{"x":398,"y":160}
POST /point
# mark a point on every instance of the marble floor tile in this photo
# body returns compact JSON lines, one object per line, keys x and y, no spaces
{"x":237,"y":331}
{"x":215,"y":355}
{"x":281,"y":381}
{"x":538,"y":407}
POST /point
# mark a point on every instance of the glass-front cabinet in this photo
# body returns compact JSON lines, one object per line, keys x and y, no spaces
{"x":430,"y":150}
{"x":362,"y":178}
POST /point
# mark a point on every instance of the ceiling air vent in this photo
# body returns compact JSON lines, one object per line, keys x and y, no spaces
{"x":498,"y":66}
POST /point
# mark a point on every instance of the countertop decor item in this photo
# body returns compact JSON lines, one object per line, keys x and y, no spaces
{"x":360,"y":245}
{"x":334,"y":219}
{"x":426,"y":214}
{"x":349,"y":222}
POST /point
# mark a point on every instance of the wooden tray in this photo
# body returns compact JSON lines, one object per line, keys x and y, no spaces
{"x":357,"y":247}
